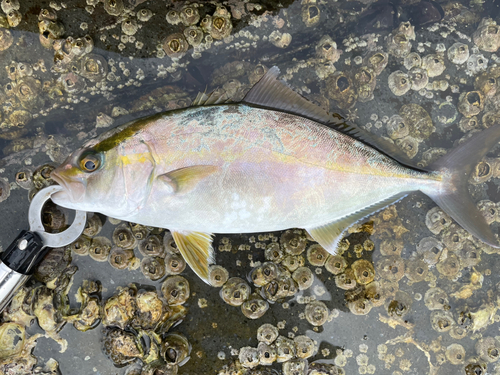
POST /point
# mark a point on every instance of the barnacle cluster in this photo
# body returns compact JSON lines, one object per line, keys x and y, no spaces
{"x":133,"y":315}
{"x":427,"y":79}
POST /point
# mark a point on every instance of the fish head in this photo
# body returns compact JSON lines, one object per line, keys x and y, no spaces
{"x":85,"y":178}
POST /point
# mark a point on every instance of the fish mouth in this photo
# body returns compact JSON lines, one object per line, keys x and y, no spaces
{"x":73,"y":191}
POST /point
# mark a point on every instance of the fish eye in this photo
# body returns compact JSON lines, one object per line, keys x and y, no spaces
{"x":90,"y":163}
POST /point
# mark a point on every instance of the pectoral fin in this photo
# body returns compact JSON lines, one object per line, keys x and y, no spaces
{"x":196,"y":248}
{"x":330,"y":234}
{"x":185,"y":179}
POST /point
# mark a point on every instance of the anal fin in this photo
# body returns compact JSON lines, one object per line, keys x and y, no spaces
{"x":196,"y":248}
{"x":330,"y":234}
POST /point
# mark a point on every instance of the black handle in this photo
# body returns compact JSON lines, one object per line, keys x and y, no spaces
{"x":24,"y":253}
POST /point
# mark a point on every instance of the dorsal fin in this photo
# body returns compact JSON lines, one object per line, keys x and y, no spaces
{"x":218,"y":96}
{"x":272,"y":93}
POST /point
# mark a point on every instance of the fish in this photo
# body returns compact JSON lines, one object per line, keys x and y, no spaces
{"x":271,"y":162}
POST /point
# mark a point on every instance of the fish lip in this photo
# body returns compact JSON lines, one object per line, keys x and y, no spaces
{"x":68,"y":191}
{"x":57,"y":178}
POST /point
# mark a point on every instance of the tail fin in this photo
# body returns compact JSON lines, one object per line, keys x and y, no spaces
{"x":454,"y":198}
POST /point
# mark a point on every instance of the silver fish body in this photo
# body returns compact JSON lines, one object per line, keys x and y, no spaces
{"x":235,"y":168}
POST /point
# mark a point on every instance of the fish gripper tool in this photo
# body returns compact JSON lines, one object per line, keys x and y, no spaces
{"x":18,"y":261}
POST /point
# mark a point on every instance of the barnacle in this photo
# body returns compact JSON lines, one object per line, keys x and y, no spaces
{"x":400,"y":305}
{"x":449,"y":267}
{"x":482,"y":172}
{"x":470,"y":255}
{"x":476,"y":64}
{"x":391,"y":268}
{"x":487,"y":35}
{"x":488,"y":349}
{"x":360,"y":306}
{"x":150,"y":310}
{"x":317,"y":255}
{"x":249,"y":357}
{"x":254,"y":307}
{"x":283,"y":286}
{"x":291,"y":262}
{"x":129,"y":27}
{"x":458,"y":53}
{"x":316,"y":313}
{"x":93,"y":226}
{"x":363,"y":271}
{"x":152,"y":246}
{"x":264,"y":273}
{"x":41,"y":176}
{"x":72,"y":83}
{"x":285,"y":349}
{"x":281,"y":40}
{"x":470,"y":103}
{"x":375,"y":294}
{"x":455,"y":353}
{"x":377,"y":61}
{"x":434,"y":64}
{"x":267,"y":333}
{"x":144,"y":15}
{"x":120,"y":346}
{"x":174,"y":264}
{"x":113,"y":7}
{"x":304,"y":277}
{"x":442,"y":321}
{"x":274,"y":253}
{"x":217,"y":275}
{"x":10,"y":5}
{"x":124,"y":237}
{"x":391,"y":246}
{"x":304,"y":346}
{"x":399,"y":83}
{"x":99,"y":248}
{"x":189,"y":15}
{"x":235,"y":291}
{"x":175,"y":46}
{"x":194,"y":35}
{"x":412,"y":60}
{"x":53,"y":264}
{"x":28,"y":91}
{"x":419,"y":78}
{"x":173,"y":17}
{"x":396,"y":127}
{"x":93,"y":67}
{"x":14,"y":18}
{"x":120,"y":309}
{"x":256,"y":74}
{"x":267,"y":353}
{"x":175,"y":289}
{"x":346,"y":280}
{"x":436,"y":299}
{"x":436,"y":220}
{"x":81,"y":245}
{"x":140,"y":231}
{"x":293,"y":241}
{"x":295,"y":366}
{"x":453,"y":237}
{"x":398,"y":45}
{"x":416,"y":270}
{"x":310,"y":14}
{"x":341,"y":89}
{"x":153,"y":267}
{"x":120,"y":258}
{"x":326,"y":49}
